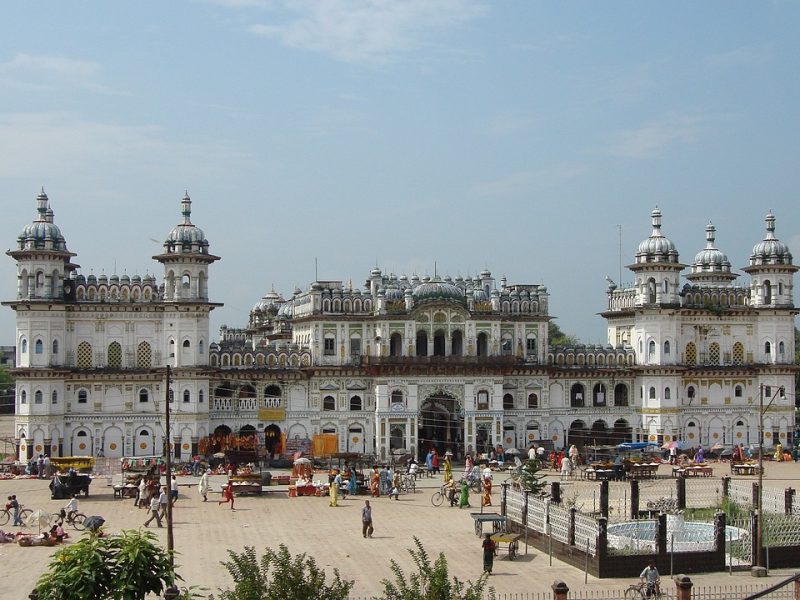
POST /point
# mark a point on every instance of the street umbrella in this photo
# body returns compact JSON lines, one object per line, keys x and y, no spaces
{"x":717,"y":447}
{"x":302,"y":461}
{"x":94,"y":522}
{"x":512,"y":451}
{"x":39,"y":519}
{"x":219,"y":455}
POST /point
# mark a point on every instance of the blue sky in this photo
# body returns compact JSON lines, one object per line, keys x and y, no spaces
{"x":514,"y":136}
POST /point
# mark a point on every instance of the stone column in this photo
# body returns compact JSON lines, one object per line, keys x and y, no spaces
{"x":634,"y":499}
{"x":726,"y":486}
{"x":680,"y":492}
{"x":561,"y":591}
{"x":661,"y":535}
{"x":555,"y":492}
{"x":604,"y":498}
{"x":683,"y":588}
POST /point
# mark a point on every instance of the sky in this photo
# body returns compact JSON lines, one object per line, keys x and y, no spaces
{"x":529,"y":138}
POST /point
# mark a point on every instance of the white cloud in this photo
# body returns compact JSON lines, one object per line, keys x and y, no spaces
{"x":63,"y":144}
{"x":49,"y":72}
{"x":365,"y":32}
{"x":651,"y":139}
{"x":523,"y":182}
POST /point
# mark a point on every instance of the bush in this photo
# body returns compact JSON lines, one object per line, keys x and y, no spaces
{"x":278,"y":576}
{"x":432,"y":582}
{"x":124,"y":567}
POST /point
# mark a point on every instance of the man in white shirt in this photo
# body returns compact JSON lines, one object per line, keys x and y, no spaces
{"x":154,"y":514}
{"x":72,"y":508}
{"x":532,"y":453}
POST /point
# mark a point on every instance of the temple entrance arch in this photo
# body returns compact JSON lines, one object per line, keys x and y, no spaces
{"x":272,"y":440}
{"x":441,"y":425}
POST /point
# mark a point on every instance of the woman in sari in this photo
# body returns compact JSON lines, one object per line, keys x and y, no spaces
{"x":448,"y":468}
{"x":468,"y":466}
{"x":463,"y":502}
{"x":375,"y":483}
{"x":334,"y":491}
{"x":487,"y":490}
{"x":353,"y":483}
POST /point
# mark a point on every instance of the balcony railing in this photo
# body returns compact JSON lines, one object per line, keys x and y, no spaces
{"x":440,"y":360}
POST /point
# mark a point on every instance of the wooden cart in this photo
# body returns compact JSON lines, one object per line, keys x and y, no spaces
{"x":511,"y":540}
{"x":498,"y":522}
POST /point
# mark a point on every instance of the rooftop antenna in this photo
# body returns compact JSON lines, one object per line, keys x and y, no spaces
{"x":434,"y":270}
{"x":316,"y":271}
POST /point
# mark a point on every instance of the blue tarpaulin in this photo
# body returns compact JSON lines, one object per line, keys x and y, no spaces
{"x":635,"y":445}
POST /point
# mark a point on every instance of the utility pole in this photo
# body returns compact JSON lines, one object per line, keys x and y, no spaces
{"x":168,"y":448}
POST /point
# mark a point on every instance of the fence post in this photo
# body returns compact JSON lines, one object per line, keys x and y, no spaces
{"x":571,"y":526}
{"x":720,"y":522}
{"x":525,"y":519}
{"x":683,"y":588}
{"x":555,"y":492}
{"x":503,"y":498}
{"x":726,"y":486}
{"x":755,"y":493}
{"x":788,"y":500}
{"x":560,"y":590}
{"x":680,"y":492}
{"x":754,"y":549}
{"x":602,"y":543}
{"x":604,"y":498}
{"x":661,"y":536}
{"x":634,"y":499}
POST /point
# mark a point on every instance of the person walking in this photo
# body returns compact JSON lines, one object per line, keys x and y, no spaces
{"x":334,"y":490}
{"x":227,"y":494}
{"x":435,"y":462}
{"x":448,"y":468}
{"x":374,"y":484}
{"x":463,"y":501}
{"x":489,"y":547}
{"x":487,"y":487}
{"x":174,"y":490}
{"x":202,"y":487}
{"x":366,"y":520}
{"x":163,"y":500}
{"x":155,"y":505}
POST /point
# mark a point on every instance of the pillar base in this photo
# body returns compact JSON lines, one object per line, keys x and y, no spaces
{"x":758,"y":571}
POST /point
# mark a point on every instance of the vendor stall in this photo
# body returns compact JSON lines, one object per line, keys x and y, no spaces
{"x":72,"y":476}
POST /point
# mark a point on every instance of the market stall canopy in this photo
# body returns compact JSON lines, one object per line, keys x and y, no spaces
{"x":512,"y":451}
{"x":628,"y":446}
{"x":302,"y":461}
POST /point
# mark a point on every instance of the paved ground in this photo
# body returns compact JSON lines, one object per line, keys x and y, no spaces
{"x":203,"y":532}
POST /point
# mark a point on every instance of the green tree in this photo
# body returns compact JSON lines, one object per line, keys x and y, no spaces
{"x":432,"y":581}
{"x":278,"y":576}
{"x":557,"y":337}
{"x":530,"y":479}
{"x":6,"y":391}
{"x":125,"y":567}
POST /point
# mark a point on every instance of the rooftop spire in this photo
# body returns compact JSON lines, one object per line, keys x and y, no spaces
{"x":186,"y":208}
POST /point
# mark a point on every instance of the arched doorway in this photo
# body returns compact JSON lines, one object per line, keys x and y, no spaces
{"x":441,"y":425}
{"x":621,"y":433}
{"x":438,"y":343}
{"x":577,"y":434}
{"x":483,"y":344}
{"x":144,"y":442}
{"x":457,"y":343}
{"x":396,"y":345}
{"x":422,"y":343}
{"x":272,"y":439}
{"x":599,"y":434}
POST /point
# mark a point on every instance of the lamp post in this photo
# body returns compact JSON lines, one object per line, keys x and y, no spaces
{"x":168,"y":448}
{"x":760,"y":569}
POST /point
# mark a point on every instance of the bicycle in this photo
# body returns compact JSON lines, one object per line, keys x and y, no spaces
{"x":438,"y":498}
{"x":75,"y":520}
{"x":639,"y":590}
{"x":408,"y":483}
{"x":6,"y":515}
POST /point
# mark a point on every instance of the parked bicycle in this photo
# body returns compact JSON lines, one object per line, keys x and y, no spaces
{"x":640,"y":590}
{"x":408,"y":483}
{"x":7,"y":515}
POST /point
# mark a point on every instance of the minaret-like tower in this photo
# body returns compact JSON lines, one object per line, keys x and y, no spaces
{"x":711,"y":267}
{"x":657,"y":268}
{"x":771,"y":271}
{"x":185,"y":292}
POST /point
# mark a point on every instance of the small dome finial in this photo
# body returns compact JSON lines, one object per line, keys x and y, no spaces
{"x":186,"y":208}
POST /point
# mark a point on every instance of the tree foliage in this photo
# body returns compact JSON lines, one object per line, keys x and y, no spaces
{"x":556,"y":337}
{"x":530,"y":479}
{"x":432,"y":581}
{"x":278,"y":576}
{"x":125,"y":567}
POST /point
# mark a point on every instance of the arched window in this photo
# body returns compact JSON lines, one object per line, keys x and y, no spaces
{"x":54,"y":397}
{"x":576,"y":395}
{"x":691,"y":354}
{"x":667,"y":394}
{"x":355,"y":403}
{"x":396,"y":345}
{"x":328,"y":403}
{"x":651,"y":291}
{"x":666,"y":348}
{"x":187,"y":396}
{"x":397,"y":397}
{"x":144,"y":395}
{"x":37,"y":397}
{"x":508,"y":402}
{"x":24,"y":346}
{"x":200,"y":348}
{"x":55,"y":347}
{"x":23,"y":397}
{"x":83,"y":396}
{"x":187,"y":344}
{"x":38,"y":347}
{"x":483,"y":400}
{"x":533,"y":401}
{"x":114,"y":355}
{"x":422,"y":343}
{"x":620,"y":395}
{"x":737,"y":391}
{"x":201,"y":397}
{"x":84,"y":355}
{"x":651,"y":351}
{"x":781,"y":348}
{"x":652,"y":394}
{"x":713,"y":353}
{"x":767,"y":348}
{"x":329,"y":348}
{"x":690,"y":392}
{"x":143,"y":356}
{"x":767,"y":292}
{"x":599,"y":394}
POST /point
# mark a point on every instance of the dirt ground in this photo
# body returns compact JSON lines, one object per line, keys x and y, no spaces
{"x":205,"y":531}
